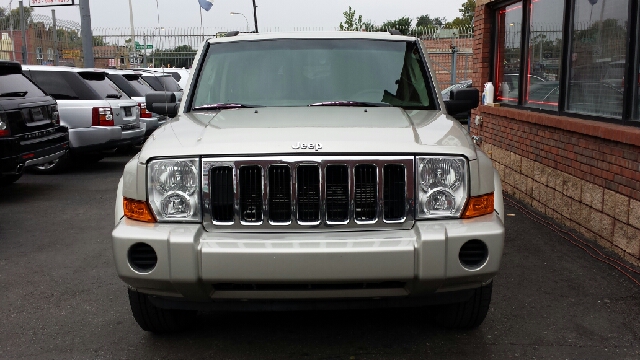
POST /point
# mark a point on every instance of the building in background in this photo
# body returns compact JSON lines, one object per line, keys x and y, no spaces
{"x":565,"y":130}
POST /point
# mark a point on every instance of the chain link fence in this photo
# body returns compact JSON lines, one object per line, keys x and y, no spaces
{"x":43,"y":44}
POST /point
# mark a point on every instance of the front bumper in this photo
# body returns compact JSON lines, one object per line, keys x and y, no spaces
{"x":192,"y":262}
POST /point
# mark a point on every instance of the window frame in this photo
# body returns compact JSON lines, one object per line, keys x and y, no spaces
{"x":630,"y":111}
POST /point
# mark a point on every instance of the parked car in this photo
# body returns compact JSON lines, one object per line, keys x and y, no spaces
{"x":30,"y":130}
{"x":163,"y":82}
{"x":131,"y":83}
{"x":181,"y":75}
{"x":322,"y":171}
{"x":99,"y":116}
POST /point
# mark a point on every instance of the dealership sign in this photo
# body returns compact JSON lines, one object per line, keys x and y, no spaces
{"x":41,"y":3}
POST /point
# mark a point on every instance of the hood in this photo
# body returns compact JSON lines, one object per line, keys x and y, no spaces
{"x":310,"y":131}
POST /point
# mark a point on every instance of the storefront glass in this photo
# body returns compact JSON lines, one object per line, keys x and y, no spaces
{"x":508,"y":54}
{"x":598,"y":53}
{"x":545,"y":53}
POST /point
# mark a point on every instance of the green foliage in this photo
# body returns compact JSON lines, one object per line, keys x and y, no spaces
{"x":181,"y":57}
{"x":13,"y":18}
{"x":403,"y":25}
{"x":426,"y":21}
{"x":467,"y":12}
{"x":351,"y":23}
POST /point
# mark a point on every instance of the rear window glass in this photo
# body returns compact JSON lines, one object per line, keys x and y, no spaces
{"x":17,"y":85}
{"x":63,"y":85}
{"x":137,"y":83}
{"x":162,"y":83}
{"x":103,"y":86}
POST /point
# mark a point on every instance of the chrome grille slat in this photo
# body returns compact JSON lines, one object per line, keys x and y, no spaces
{"x":308,"y":193}
{"x":337,"y":193}
{"x":395,"y":185}
{"x":366,"y":193}
{"x":279,"y":198}
{"x":308,"y":180}
{"x":222,"y":209}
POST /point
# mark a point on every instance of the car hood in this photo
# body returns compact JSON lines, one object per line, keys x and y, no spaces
{"x":283,"y":131}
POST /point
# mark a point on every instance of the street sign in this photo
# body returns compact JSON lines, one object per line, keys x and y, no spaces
{"x":142,"y":47}
{"x":71,"y":54}
{"x":43,"y":3}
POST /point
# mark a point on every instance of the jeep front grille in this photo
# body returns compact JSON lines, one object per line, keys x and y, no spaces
{"x":308,"y":193}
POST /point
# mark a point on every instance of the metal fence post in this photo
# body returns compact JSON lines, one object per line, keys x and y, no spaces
{"x":454,"y":60}
{"x":87,"y":34}
{"x":56,"y":61}
{"x":144,"y":52}
{"x":24,"y":34}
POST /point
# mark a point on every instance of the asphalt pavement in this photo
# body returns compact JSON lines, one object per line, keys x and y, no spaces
{"x":60,"y":297}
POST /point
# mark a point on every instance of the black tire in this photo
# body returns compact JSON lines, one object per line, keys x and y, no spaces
{"x":53,"y":167}
{"x":157,"y":320}
{"x":466,"y":315}
{"x":9,"y":179}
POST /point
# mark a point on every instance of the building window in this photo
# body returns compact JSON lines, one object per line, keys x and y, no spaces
{"x":545,"y":54}
{"x":569,"y":56}
{"x":598,"y":57}
{"x":509,"y":53}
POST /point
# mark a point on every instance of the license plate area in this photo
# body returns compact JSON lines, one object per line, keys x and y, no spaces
{"x":128,"y":111}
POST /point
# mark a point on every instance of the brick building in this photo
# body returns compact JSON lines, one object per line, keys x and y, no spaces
{"x":565,"y":130}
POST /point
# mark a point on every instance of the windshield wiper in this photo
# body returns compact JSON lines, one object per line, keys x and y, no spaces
{"x":14,"y":94}
{"x":350,"y":103}
{"x":224,"y":106}
{"x":113,"y":96}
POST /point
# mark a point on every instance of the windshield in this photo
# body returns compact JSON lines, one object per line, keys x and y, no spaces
{"x":295,"y":72}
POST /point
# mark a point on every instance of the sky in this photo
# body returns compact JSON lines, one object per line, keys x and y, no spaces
{"x":274,"y":15}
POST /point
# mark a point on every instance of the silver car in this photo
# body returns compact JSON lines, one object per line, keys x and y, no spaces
{"x":309,"y":171}
{"x":131,"y":83}
{"x":99,"y":116}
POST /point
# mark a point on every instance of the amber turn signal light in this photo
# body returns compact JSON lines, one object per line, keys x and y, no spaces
{"x":138,"y":210}
{"x":478,"y":206}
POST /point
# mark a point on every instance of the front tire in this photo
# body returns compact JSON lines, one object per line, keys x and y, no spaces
{"x":468,"y":314}
{"x":157,"y":320}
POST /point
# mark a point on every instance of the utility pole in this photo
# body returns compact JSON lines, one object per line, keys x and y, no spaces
{"x":132,"y":54}
{"x":255,"y":15}
{"x":56,"y":61}
{"x":87,"y":35}
{"x":24,"y":34}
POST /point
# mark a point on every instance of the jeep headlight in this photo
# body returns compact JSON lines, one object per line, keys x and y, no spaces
{"x":174,"y":189}
{"x":442,"y":187}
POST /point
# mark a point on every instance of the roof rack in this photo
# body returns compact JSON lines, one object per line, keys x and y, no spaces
{"x":233,"y":33}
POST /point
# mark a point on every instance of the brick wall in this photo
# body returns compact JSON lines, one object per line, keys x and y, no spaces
{"x":583,"y":174}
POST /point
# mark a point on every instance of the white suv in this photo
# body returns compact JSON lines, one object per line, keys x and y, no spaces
{"x":309,"y":171}
{"x":99,"y":116}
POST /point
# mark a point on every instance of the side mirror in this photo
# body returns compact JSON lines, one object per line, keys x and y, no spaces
{"x":163,"y":103}
{"x":462,"y":101}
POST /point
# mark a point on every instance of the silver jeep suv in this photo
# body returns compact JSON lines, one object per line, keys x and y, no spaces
{"x":309,"y":171}
{"x":99,"y":116}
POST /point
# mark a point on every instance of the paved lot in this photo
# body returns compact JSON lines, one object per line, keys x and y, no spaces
{"x":60,"y":297}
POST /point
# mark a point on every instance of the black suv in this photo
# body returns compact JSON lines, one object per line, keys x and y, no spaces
{"x":30,"y":131}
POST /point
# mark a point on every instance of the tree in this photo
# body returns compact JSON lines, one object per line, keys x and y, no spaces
{"x":351,"y":23}
{"x":467,"y":12}
{"x":403,"y":25}
{"x":14,"y":17}
{"x":426,"y":21}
